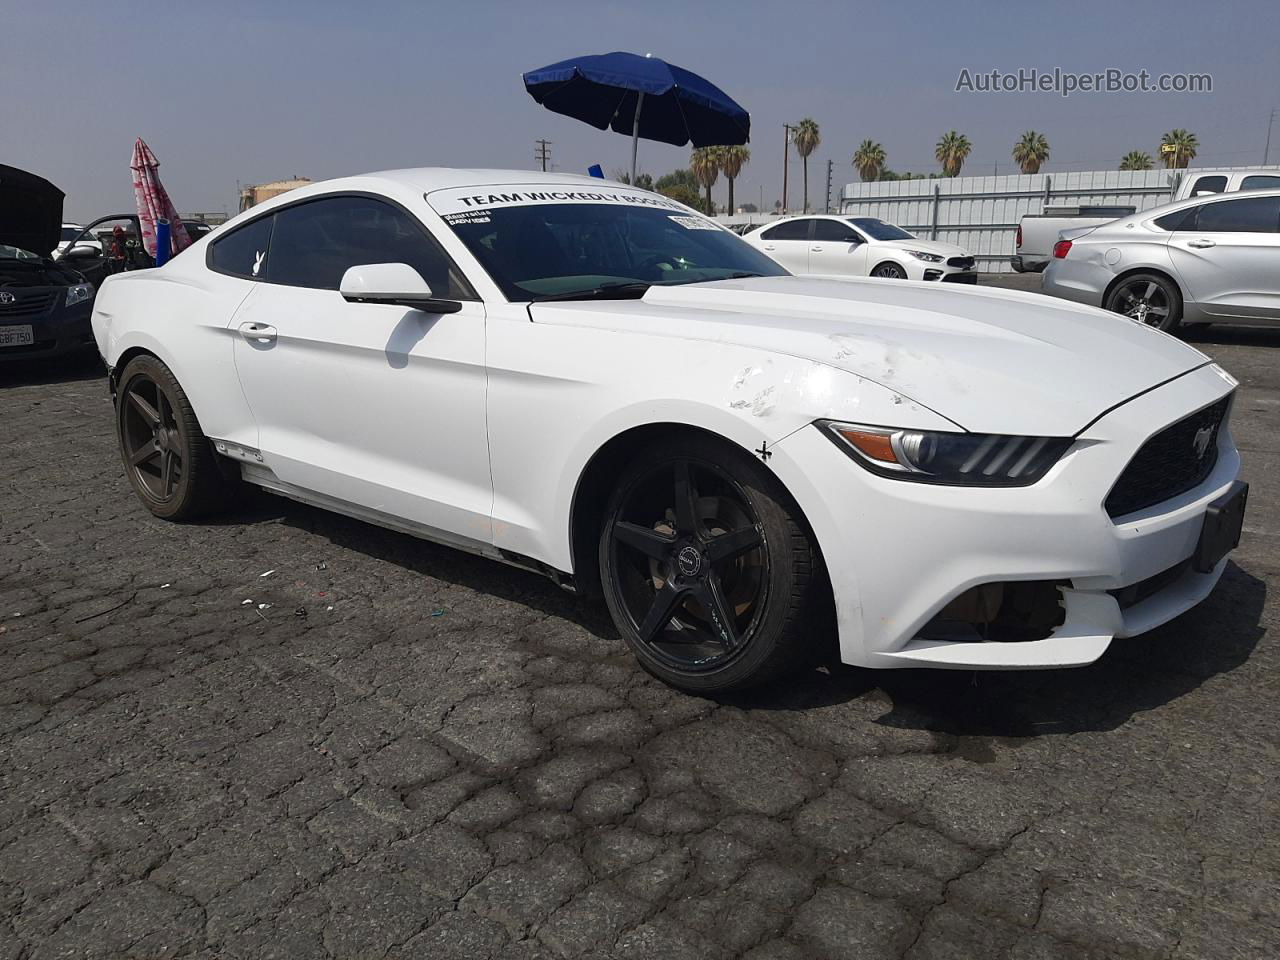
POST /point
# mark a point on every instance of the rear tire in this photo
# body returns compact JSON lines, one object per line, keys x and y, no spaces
{"x":167,"y":458}
{"x":1148,"y":298}
{"x":708,"y":571}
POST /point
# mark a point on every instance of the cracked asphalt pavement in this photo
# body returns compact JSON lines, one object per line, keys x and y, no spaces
{"x":384,"y":748}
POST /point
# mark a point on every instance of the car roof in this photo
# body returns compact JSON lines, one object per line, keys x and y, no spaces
{"x":1161,"y":210}
{"x":423,"y":180}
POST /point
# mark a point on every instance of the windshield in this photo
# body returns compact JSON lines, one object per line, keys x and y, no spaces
{"x":17,"y":253}
{"x":70,"y":233}
{"x":538,"y":251}
{"x":879,"y":230}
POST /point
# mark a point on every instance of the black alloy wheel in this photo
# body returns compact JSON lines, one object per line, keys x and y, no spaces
{"x":1149,"y":299}
{"x":705,"y":573}
{"x":167,"y":458}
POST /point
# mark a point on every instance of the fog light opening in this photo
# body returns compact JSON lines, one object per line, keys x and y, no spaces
{"x":1010,"y":611}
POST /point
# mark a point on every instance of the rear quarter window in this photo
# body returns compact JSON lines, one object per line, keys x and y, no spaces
{"x":243,"y":251}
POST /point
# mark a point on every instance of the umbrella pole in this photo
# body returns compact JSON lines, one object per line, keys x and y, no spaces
{"x":635,"y":136}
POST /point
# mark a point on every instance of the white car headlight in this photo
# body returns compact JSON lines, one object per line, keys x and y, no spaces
{"x":78,"y":293}
{"x":962,"y":459}
{"x":926,"y":257}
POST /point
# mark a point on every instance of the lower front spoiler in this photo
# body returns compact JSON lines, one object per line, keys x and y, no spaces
{"x":1093,"y":618}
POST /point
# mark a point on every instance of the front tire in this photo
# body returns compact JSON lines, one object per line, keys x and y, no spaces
{"x":1148,"y":298}
{"x":167,"y":457}
{"x":707,"y":570}
{"x":889,"y":271}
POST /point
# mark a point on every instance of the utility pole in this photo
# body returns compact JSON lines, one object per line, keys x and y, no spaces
{"x":1266,"y":153}
{"x":786,"y":150}
{"x":828,"y":209}
{"x":543,"y":153}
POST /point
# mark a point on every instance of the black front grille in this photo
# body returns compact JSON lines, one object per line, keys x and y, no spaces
{"x":960,"y":278}
{"x":26,"y":304}
{"x":964,"y":263}
{"x":1174,"y":461}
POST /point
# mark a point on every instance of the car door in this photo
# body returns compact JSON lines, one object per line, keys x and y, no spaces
{"x":788,"y":243}
{"x":837,"y":249}
{"x":1227,"y":255}
{"x":370,"y":404}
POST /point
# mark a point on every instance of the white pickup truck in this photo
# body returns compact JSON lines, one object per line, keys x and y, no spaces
{"x":1038,"y":232}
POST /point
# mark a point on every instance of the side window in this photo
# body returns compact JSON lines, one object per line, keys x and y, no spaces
{"x":1208,"y":185}
{"x":1178,"y":220}
{"x":1260,"y":181}
{"x":243,"y":251}
{"x":833,"y":231}
{"x":791,"y":230}
{"x":315,"y":243}
{"x":1246,"y":215}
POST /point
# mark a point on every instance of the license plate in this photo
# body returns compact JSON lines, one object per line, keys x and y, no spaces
{"x":19,"y":336}
{"x":1223,"y":521}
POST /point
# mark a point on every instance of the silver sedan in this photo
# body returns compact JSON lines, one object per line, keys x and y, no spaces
{"x":1203,"y":260}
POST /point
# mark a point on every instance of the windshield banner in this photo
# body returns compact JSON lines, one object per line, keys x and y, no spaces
{"x":462,"y":200}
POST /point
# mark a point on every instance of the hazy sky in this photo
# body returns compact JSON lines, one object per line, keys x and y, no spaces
{"x":233,"y":91}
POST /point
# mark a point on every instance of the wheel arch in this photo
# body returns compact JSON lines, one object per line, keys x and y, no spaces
{"x":595,"y":482}
{"x":887,"y":258}
{"x":1134,"y":271}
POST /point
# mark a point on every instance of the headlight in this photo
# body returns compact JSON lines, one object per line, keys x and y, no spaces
{"x":931,"y":456}
{"x":927,"y":257}
{"x":79,"y":293}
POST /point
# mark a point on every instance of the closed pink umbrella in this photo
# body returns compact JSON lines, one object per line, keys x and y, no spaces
{"x":153,"y":201}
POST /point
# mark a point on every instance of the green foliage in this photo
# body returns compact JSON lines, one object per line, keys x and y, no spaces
{"x":952,"y":150}
{"x":1136,"y":160}
{"x":1030,"y":151}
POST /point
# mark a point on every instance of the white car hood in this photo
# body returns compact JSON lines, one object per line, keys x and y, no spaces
{"x":990,"y":361}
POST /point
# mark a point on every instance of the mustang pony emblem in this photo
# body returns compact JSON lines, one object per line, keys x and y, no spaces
{"x":1201,"y":441}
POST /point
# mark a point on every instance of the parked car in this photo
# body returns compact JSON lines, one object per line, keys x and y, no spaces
{"x":597,"y":383}
{"x":1208,"y":259}
{"x":44,"y":306}
{"x":860,"y":247}
{"x":69,"y":232}
{"x":1202,"y":183}
{"x":1038,"y":232}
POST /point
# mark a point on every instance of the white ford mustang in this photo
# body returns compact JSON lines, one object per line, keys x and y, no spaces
{"x":597,"y":383}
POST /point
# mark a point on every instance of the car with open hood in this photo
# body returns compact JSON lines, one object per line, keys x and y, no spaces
{"x":754,"y":470}
{"x":44,"y":305}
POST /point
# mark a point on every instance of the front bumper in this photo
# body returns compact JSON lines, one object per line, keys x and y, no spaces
{"x":898,"y":552}
{"x":57,"y":331}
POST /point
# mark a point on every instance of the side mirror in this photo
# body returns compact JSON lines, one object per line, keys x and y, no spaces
{"x":82,"y":251}
{"x":397,"y":284}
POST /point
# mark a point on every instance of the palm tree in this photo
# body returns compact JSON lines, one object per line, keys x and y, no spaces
{"x":870,"y":160}
{"x":705,"y":164}
{"x":1184,"y":145}
{"x":952,"y":151}
{"x":806,"y":138}
{"x":732,"y":160}
{"x":1031,"y":150}
{"x":1136,"y":160}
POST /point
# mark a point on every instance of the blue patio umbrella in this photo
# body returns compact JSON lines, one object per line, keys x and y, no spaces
{"x":643,"y":96}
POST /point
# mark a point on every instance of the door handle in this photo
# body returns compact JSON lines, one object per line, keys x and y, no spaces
{"x":768,"y":246}
{"x":816,"y":249}
{"x":258,"y":332}
{"x":1201,"y":244}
